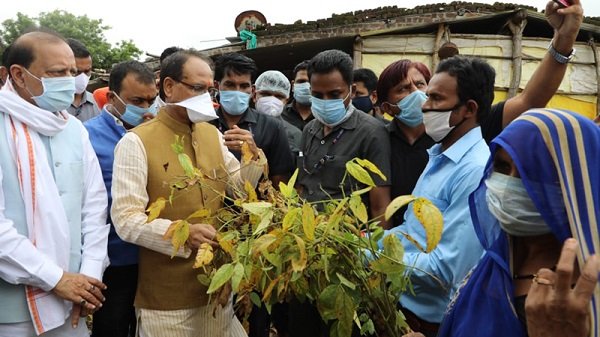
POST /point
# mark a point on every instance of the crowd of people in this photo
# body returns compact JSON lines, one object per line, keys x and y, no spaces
{"x":517,"y":185}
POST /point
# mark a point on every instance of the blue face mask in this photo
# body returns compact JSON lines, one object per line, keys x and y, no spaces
{"x":410,"y":108}
{"x":58,"y":92}
{"x":330,"y":112}
{"x":363,"y":103}
{"x":234,"y":102}
{"x":302,"y":93}
{"x":134,"y":115}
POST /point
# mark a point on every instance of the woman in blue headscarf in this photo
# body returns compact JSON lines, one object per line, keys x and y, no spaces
{"x":541,"y":187}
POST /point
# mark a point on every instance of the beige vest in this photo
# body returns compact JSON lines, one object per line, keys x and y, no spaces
{"x":165,"y":283}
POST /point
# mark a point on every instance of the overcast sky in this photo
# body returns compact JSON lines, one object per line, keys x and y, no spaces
{"x":155,"y":25}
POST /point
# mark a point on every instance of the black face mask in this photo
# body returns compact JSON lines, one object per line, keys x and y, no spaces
{"x":363,"y":103}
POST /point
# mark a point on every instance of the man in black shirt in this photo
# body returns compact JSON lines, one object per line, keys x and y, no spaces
{"x":233,"y":77}
{"x":298,"y":112}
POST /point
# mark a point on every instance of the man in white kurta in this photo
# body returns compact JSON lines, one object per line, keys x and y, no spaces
{"x":53,"y":203}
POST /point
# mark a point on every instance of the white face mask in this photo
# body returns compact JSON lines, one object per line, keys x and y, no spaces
{"x":199,"y":108}
{"x":269,"y":105}
{"x":509,"y":202}
{"x":81,"y":82}
{"x":437,"y":124}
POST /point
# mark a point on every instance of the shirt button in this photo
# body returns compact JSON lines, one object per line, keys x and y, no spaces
{"x":322,"y":141}
{"x":194,"y":144}
{"x":57,"y":164}
{"x":311,"y":192}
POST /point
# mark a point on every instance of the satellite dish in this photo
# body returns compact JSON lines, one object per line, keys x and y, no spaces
{"x":249,"y":20}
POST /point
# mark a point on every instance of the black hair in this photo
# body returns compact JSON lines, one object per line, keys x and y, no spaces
{"x":21,"y":52}
{"x":5,"y":55}
{"x":142,"y":74}
{"x":172,"y":66}
{"x":301,"y":66}
{"x":330,"y":60}
{"x":234,"y":63}
{"x":474,"y":80}
{"x":78,"y":48}
{"x":168,"y":51}
{"x":367,"y":76}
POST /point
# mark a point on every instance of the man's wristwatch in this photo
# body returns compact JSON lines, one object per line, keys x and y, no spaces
{"x":560,"y":58}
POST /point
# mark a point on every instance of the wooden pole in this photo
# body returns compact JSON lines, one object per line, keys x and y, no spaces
{"x":597,"y":64}
{"x":516,"y":24}
{"x":435,"y":59}
{"x":358,"y":47}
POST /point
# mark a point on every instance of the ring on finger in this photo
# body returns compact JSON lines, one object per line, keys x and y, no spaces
{"x":542,"y":281}
{"x":83,"y":303}
{"x":92,"y":287}
{"x":241,"y":142}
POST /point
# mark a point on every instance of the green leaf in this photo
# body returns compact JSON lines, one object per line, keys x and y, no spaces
{"x":359,"y":173}
{"x":432,"y":220}
{"x":236,"y":278}
{"x":203,"y":279}
{"x":186,"y":163}
{"x":326,"y":302}
{"x":358,"y":208}
{"x":308,"y":221}
{"x":257,"y":208}
{"x":371,"y":167}
{"x":178,"y":145}
{"x":392,"y":247}
{"x":222,"y":276}
{"x":290,"y":218}
{"x":398,"y":203}
{"x":155,"y":208}
{"x":255,"y":299}
{"x":345,"y":281}
{"x":265,"y":221}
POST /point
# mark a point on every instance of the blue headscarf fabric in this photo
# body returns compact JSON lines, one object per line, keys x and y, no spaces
{"x":557,"y":154}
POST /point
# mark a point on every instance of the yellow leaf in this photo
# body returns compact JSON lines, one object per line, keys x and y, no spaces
{"x":300,"y":263}
{"x":200,"y":214}
{"x":262,"y":243}
{"x":226,"y":245}
{"x":250,"y":191}
{"x":308,"y":221}
{"x":204,"y":256}
{"x":169,"y":233}
{"x":186,"y":163}
{"x":270,"y":288}
{"x":290,"y":217}
{"x":371,"y":167}
{"x":393,"y":248}
{"x":362,"y":191}
{"x":246,"y":153}
{"x":180,"y":235}
{"x":359,"y":173}
{"x":358,"y":208}
{"x":155,"y":208}
{"x":398,"y":203}
{"x":432,"y":220}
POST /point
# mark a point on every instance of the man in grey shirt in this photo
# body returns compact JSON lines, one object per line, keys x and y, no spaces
{"x":84,"y":106}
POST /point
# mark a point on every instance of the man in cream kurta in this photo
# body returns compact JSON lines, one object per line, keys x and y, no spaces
{"x":170,"y":302}
{"x":53,"y":203}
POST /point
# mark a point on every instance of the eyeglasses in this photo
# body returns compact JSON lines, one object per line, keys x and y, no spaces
{"x":200,"y":88}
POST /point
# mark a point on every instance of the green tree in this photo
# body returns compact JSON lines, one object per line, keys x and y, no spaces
{"x":89,"y":31}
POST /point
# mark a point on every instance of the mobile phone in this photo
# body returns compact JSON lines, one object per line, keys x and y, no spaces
{"x":563,"y":3}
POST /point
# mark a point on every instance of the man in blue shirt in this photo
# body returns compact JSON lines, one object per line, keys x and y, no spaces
{"x":131,"y":99}
{"x":460,"y":94}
